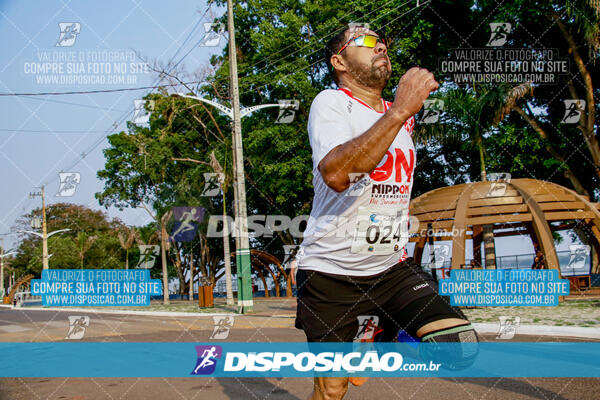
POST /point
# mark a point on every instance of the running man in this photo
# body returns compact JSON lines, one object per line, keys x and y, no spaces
{"x":353,"y":261}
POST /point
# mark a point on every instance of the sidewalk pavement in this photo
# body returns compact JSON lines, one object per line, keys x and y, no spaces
{"x":280,"y":313}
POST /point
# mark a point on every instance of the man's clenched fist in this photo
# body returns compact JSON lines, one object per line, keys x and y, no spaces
{"x":413,"y":89}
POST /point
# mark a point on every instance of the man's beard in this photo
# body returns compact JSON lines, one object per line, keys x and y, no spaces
{"x":371,"y":76}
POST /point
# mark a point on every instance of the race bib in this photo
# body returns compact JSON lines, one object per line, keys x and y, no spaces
{"x":380,"y":232}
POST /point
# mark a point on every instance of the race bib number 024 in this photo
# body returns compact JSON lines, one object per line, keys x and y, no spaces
{"x":380,"y":232}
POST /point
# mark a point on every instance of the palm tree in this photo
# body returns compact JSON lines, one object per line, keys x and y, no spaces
{"x":83,"y":243}
{"x":587,"y":23}
{"x":127,"y":236}
{"x":146,"y":235}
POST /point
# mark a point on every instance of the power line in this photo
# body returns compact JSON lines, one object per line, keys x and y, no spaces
{"x":326,"y":36}
{"x":97,"y":91}
{"x":49,"y":131}
{"x":125,"y":115}
{"x":72,"y":104}
{"x":280,"y":68}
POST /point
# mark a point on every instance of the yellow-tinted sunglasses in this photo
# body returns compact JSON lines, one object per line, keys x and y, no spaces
{"x":362,"y":41}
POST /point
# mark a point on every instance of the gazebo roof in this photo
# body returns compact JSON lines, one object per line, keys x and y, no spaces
{"x":506,"y":204}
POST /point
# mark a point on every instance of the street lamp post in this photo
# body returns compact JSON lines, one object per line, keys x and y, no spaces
{"x":2,"y":256}
{"x":44,"y":235}
{"x":245,"y":302}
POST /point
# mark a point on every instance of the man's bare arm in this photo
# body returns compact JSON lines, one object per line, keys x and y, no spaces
{"x":363,"y":153}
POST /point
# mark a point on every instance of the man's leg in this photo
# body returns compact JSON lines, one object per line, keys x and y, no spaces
{"x":328,"y":307}
{"x":454,"y":343}
{"x":329,"y":388}
{"x":439,"y":325}
{"x":432,"y":320}
{"x":418,"y":309}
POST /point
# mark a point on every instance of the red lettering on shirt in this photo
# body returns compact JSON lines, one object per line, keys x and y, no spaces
{"x":383,"y":172}
{"x":406,"y":166}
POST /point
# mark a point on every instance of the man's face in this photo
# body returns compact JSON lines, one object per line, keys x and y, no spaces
{"x":370,"y":67}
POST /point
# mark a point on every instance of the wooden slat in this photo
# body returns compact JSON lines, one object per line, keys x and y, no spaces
{"x":505,"y":209}
{"x":493,"y":201}
{"x":434,"y":216}
{"x":436,"y":238}
{"x":437,"y":225}
{"x":452,"y":189}
{"x":557,"y":216}
{"x":431,"y":207}
{"x":483,"y":194}
{"x":501,"y":209}
{"x":437,"y":195}
{"x":563,"y":205}
{"x":553,"y":197}
{"x":499,"y":219}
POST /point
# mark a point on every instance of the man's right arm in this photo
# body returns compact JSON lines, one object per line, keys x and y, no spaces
{"x":363,"y":153}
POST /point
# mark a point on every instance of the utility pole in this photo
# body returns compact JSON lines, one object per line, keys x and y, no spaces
{"x":44,"y":231}
{"x":242,"y":251}
{"x":242,"y":244}
{"x":44,"y":227}
{"x":226,"y":252}
{"x":3,"y":255}
{"x":44,"y":235}
{"x":2,"y":269}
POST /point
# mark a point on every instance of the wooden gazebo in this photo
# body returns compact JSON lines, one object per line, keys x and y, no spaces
{"x":528,"y":207}
{"x":261,"y":262}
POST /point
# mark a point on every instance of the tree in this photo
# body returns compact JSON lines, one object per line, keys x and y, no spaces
{"x":83,"y":243}
{"x":127,"y":236}
{"x":281,"y":57}
{"x":66,"y":248}
{"x":569,"y":26}
{"x":163,"y":178}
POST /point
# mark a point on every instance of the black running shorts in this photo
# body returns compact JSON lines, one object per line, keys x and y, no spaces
{"x":403,"y":297}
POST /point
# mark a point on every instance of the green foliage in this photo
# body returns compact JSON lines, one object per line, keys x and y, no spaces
{"x":280,"y":56}
{"x":64,"y":248}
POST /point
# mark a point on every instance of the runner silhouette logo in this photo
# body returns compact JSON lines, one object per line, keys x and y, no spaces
{"x":573,"y":109}
{"x":186,"y":224}
{"x":499,"y":33}
{"x":207,"y":359}
{"x":68,"y":33}
{"x":77,"y":325}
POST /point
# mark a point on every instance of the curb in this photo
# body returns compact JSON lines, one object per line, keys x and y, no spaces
{"x":123,"y":312}
{"x":544,"y":330}
{"x":536,"y":330}
{"x":147,"y":313}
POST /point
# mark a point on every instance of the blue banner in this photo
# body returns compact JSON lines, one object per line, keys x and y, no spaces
{"x":96,"y":287}
{"x":515,"y":287}
{"x":298,"y":360}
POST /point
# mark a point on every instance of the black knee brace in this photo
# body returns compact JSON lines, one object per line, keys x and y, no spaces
{"x":461,"y":351}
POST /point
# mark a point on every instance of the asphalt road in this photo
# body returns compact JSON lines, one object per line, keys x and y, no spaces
{"x":46,"y":326}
